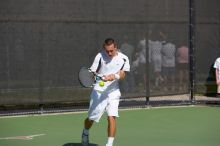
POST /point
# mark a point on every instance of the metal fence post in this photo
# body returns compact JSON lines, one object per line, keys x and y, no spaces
{"x":192,"y":49}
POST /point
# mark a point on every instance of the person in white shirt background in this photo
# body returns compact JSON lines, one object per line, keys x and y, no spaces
{"x":168,"y":65}
{"x":217,"y":74}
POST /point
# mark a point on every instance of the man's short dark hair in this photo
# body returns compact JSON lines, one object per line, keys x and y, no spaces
{"x":109,"y":41}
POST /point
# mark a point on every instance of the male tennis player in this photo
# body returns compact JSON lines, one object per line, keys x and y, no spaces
{"x":112,"y":64}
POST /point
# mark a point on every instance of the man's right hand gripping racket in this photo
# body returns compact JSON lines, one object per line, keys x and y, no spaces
{"x":87,"y":78}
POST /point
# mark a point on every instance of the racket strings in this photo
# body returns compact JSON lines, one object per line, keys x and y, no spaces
{"x":86,"y":77}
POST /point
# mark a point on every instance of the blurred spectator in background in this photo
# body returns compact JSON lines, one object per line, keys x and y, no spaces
{"x":182,"y":64}
{"x":168,"y":65}
{"x":139,"y":63}
{"x":217,"y":74}
{"x":128,"y":50}
{"x":155,"y":44}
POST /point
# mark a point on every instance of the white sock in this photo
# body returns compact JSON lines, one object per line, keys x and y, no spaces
{"x":110,"y":140}
{"x":86,"y":131}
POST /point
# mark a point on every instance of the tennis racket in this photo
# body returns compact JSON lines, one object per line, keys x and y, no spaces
{"x":87,"y":78}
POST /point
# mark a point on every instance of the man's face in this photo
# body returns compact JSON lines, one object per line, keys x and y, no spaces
{"x":111,"y":50}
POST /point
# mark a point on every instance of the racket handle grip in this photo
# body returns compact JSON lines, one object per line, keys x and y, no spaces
{"x":98,"y":78}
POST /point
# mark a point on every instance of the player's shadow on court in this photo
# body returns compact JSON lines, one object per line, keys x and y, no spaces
{"x":78,"y":144}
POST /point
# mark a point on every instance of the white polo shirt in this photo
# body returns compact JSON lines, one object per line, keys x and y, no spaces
{"x":217,"y":65}
{"x":168,"y":55}
{"x":109,"y":66}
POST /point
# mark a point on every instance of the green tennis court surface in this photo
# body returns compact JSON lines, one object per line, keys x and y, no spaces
{"x":182,"y":126}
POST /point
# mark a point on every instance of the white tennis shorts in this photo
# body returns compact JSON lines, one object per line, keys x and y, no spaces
{"x":103,"y":101}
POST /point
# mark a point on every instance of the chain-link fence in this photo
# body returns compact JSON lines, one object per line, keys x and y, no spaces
{"x":45,"y":42}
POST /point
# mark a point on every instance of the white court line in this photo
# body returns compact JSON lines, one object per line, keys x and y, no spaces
{"x":44,"y":114}
{"x":29,"y":137}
